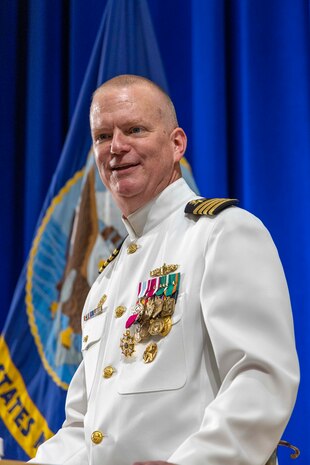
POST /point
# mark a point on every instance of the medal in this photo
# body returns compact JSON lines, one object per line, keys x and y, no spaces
{"x":139,"y":308}
{"x":127,"y":344}
{"x":137,"y":334}
{"x":131,"y":320}
{"x":167,"y":326}
{"x":158,"y":306}
{"x":156,"y":327}
{"x":150,"y":352}
{"x":152,"y":313}
{"x":144,"y":329}
{"x":168,"y":307}
{"x":149,"y":308}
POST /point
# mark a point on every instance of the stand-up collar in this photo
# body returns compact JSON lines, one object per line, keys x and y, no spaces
{"x":158,"y":209}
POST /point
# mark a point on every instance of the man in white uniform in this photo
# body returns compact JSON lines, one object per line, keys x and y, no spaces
{"x":188,"y":343}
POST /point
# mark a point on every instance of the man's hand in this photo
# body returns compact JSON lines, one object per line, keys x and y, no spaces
{"x":156,"y":462}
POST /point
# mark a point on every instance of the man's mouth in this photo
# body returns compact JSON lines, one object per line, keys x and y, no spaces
{"x":124,"y":166}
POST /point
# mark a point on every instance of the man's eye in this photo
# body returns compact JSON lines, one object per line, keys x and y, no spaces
{"x":102,"y":137}
{"x":136,"y":130}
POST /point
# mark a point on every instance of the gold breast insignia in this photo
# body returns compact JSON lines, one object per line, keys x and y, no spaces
{"x":163,"y":270}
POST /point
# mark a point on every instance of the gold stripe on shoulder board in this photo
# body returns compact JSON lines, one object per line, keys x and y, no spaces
{"x":104,"y":263}
{"x":209,"y":207}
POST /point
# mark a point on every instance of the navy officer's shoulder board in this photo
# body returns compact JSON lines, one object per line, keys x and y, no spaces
{"x":104,"y":263}
{"x":209,"y":207}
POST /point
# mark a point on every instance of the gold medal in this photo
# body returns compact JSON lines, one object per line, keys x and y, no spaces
{"x":158,"y":306}
{"x":150,"y":352}
{"x":156,"y":326}
{"x":167,"y":326}
{"x":139,"y":308}
{"x":168,"y":307}
{"x":127,"y":344}
{"x":149,"y":308}
{"x":144,"y":329}
{"x":137,"y":334}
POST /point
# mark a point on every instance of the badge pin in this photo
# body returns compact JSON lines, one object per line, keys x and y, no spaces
{"x":102,"y":300}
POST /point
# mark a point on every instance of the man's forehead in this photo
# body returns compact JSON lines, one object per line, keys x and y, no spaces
{"x":134,"y":98}
{"x":107,"y":102}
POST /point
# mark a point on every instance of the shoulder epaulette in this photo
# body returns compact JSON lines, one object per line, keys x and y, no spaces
{"x":104,"y":263}
{"x":209,"y":207}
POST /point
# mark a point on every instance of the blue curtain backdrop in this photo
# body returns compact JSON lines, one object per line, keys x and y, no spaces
{"x":239,"y":74}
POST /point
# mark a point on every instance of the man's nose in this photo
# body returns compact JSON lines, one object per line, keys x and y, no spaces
{"x":119,"y":143}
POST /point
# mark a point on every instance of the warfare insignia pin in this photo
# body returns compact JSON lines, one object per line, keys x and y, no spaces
{"x":102,"y":300}
{"x":164,"y":270}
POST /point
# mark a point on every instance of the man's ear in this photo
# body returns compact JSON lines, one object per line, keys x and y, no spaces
{"x":179,"y":140}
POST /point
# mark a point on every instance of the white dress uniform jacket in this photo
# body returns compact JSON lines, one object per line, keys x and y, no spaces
{"x":223,"y":384}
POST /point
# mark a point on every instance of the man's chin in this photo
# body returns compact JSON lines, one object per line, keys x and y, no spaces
{"x":127,"y":189}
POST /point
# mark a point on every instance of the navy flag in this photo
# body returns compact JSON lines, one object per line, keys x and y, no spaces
{"x":78,"y":226}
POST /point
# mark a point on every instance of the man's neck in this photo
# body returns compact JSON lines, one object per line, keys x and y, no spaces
{"x":129,"y":205}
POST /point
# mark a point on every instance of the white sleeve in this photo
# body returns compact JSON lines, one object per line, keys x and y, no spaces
{"x":68,"y":446}
{"x":247,"y":314}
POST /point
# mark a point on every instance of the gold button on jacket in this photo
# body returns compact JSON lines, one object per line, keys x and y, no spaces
{"x":108,"y":372}
{"x":97,"y":437}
